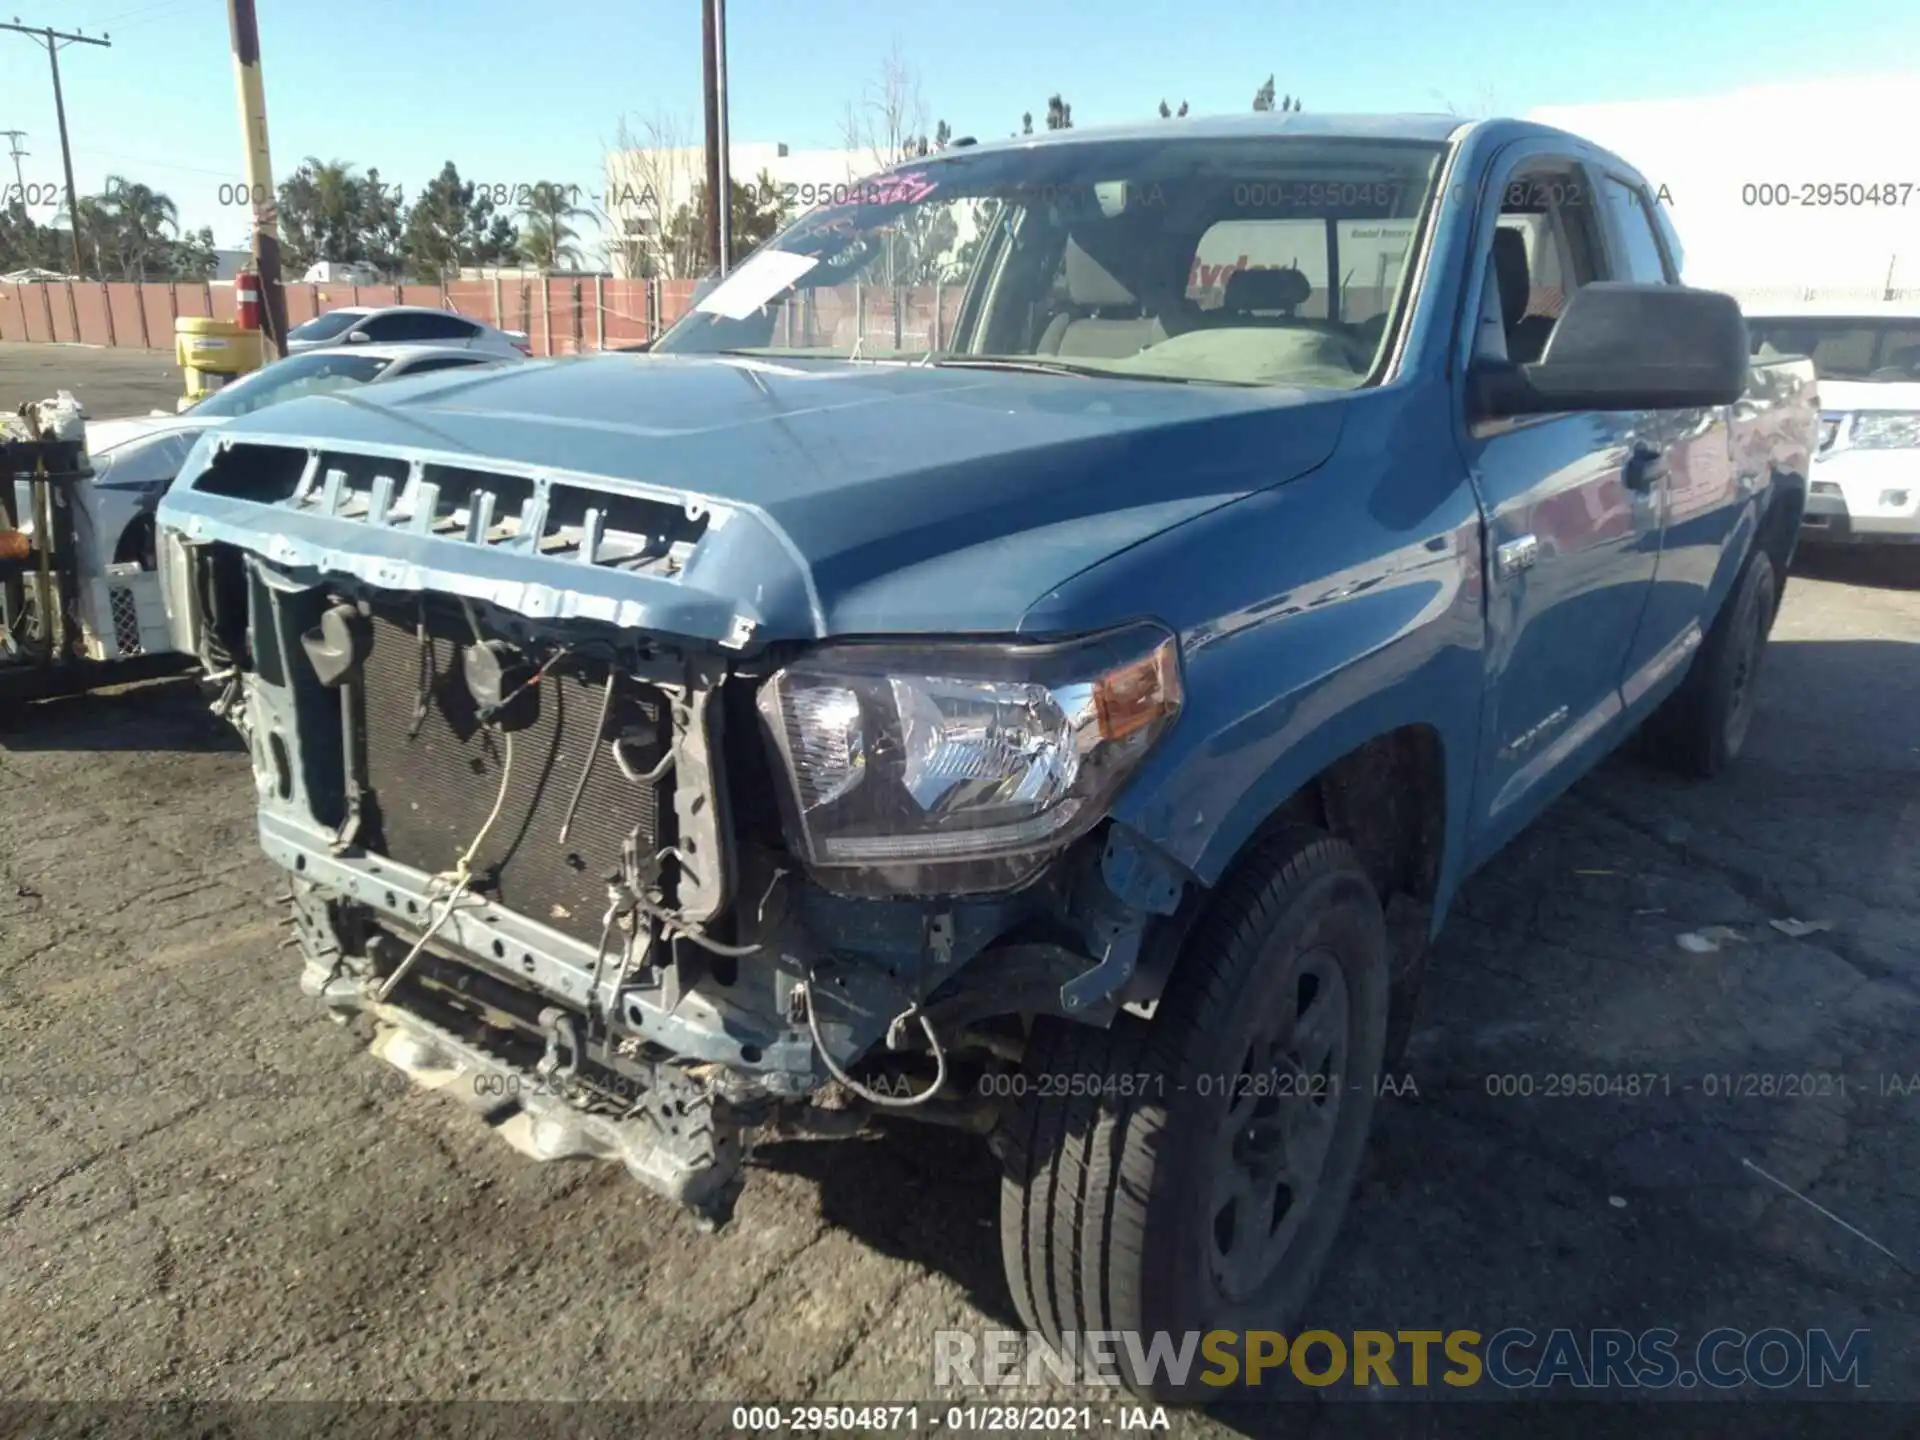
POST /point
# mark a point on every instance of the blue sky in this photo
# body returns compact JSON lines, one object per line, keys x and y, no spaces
{"x":408,"y":84}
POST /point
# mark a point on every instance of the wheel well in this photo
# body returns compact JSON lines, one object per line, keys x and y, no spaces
{"x":1387,"y":799}
{"x":137,"y":543}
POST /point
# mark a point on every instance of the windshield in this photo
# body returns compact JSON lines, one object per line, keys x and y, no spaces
{"x":1270,"y":260}
{"x":326,"y":327}
{"x":284,"y":379}
{"x":1843,"y":348}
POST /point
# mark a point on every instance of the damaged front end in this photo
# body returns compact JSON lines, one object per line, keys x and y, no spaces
{"x":632,"y":867}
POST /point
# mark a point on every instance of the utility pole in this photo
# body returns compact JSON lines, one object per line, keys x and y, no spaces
{"x":710,"y":86}
{"x":53,"y":39}
{"x":724,"y":189}
{"x":245,"y":29}
{"x":14,"y":137}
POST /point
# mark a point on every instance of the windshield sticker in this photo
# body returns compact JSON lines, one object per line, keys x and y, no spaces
{"x":756,"y":282}
{"x":908,"y":189}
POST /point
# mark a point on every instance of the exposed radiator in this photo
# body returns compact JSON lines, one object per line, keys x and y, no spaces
{"x":431,"y":792}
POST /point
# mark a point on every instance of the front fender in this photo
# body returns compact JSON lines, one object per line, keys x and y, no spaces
{"x":1313,"y":618}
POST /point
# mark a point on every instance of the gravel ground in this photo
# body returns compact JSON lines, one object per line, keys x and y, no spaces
{"x":211,"y":1194}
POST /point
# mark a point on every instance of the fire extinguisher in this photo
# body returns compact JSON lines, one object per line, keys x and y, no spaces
{"x":246,"y":300}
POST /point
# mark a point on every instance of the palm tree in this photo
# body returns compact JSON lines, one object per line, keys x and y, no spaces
{"x":96,"y":229}
{"x":336,"y":203}
{"x":546,"y":239}
{"x":139,"y":217}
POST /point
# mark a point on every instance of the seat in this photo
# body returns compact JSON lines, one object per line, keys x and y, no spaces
{"x":1264,"y":291}
{"x":1527,"y":335}
{"x":1090,"y":328}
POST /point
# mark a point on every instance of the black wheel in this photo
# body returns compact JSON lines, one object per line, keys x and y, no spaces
{"x":1703,"y":724}
{"x":1189,"y":1173}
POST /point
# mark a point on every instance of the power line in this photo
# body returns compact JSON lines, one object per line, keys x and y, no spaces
{"x":52,"y":39}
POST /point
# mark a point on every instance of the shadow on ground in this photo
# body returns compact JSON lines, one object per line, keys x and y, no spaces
{"x":164,"y":715}
{"x":1886,"y":567}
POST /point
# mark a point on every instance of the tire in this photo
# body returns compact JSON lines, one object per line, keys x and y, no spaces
{"x":1120,"y":1152}
{"x":1702,"y":726}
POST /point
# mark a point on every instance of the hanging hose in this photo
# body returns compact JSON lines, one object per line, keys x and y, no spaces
{"x":593,"y":753}
{"x":874,"y":1097}
{"x":461,"y":875}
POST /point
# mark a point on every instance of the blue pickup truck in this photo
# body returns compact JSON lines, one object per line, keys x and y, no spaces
{"x":1063,"y":711}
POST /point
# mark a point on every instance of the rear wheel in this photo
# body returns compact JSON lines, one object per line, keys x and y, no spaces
{"x":1189,"y":1173}
{"x":1702,"y":726}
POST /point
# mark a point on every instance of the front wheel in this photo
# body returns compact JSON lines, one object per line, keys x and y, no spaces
{"x":1189,"y":1173}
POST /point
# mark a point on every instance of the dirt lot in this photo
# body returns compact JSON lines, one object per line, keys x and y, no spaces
{"x":212,"y":1194}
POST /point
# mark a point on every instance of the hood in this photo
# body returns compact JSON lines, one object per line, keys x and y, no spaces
{"x":104,"y":435}
{"x":1841,"y":396}
{"x":907,"y":498}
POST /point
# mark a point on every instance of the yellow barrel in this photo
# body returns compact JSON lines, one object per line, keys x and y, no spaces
{"x":212,"y":352}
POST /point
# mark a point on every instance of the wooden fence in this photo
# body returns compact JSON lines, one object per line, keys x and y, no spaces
{"x":561,"y":315}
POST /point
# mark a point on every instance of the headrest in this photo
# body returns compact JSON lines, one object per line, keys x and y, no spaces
{"x":1510,"y":269}
{"x":1089,"y":284}
{"x":1285,"y":289}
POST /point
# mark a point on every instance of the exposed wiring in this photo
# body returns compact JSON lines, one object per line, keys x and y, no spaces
{"x":593,"y":753}
{"x":874,"y":1097}
{"x":461,"y":876}
{"x":641,"y":777}
{"x":426,"y":668}
{"x":535,"y":678}
{"x":675,"y":925}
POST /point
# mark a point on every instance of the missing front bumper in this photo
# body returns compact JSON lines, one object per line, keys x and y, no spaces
{"x":676,"y":1137}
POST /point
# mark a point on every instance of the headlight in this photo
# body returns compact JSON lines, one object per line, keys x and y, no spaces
{"x":145,"y":460}
{"x":1830,"y":428}
{"x":961,"y":768}
{"x":1884,"y":430}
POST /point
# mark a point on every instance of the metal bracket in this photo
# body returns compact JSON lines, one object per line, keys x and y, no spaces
{"x":1135,"y":883}
{"x":1117,"y":960}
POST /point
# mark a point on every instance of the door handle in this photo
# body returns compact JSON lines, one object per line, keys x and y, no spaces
{"x":1645,"y":468}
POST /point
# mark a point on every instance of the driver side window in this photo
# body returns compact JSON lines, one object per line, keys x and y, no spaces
{"x":1546,"y":245}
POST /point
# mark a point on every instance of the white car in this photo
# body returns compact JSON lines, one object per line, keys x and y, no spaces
{"x":135,"y":459}
{"x":1865,"y":485}
{"x":403,"y":324}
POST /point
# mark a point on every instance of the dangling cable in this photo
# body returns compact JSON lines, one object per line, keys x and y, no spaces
{"x":461,"y":875}
{"x":874,"y":1097}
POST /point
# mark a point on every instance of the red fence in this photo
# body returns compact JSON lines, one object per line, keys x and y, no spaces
{"x":562,"y":315}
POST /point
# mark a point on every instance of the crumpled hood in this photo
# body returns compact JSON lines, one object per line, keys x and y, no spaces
{"x":913,"y":499}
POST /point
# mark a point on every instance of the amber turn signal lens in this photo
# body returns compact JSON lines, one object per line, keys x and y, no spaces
{"x":14,"y":545}
{"x":1134,"y":696}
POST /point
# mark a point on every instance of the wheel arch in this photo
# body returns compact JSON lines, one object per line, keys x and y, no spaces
{"x":1392,"y":799}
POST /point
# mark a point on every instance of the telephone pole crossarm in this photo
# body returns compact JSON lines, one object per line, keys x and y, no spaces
{"x":53,"y":39}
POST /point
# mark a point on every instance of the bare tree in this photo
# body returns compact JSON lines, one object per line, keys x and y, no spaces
{"x":1482,"y":108}
{"x":650,"y":175}
{"x":889,"y":122}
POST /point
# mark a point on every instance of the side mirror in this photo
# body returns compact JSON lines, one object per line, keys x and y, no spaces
{"x":357,"y":337}
{"x":1626,"y":347}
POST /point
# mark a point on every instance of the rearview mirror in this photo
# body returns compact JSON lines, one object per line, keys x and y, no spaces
{"x":356,"y":337}
{"x":1626,"y":347}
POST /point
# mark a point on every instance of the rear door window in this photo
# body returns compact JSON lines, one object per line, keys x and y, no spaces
{"x":421,"y":325}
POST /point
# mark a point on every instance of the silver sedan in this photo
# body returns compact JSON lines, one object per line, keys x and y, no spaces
{"x":403,"y":324}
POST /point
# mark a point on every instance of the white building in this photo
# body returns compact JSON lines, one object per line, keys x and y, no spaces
{"x":646,"y":187}
{"x":1779,"y":189}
